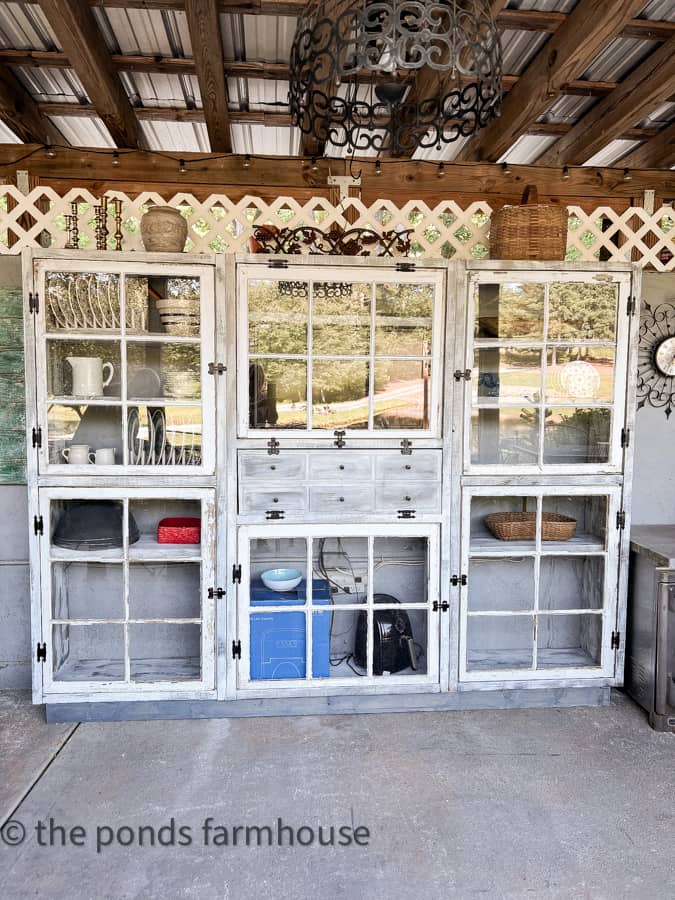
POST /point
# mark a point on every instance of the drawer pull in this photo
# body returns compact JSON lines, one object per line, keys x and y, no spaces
{"x":341,"y":468}
{"x":407,"y":499}
{"x":408,"y":467}
{"x":275,"y":499}
{"x":342,"y":499}
{"x":273,"y":468}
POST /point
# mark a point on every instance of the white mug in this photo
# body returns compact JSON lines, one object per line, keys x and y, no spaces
{"x":88,"y":380}
{"x":77,"y":454}
{"x":105,"y":456}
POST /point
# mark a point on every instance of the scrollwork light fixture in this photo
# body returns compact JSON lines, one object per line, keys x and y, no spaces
{"x":394,"y":75}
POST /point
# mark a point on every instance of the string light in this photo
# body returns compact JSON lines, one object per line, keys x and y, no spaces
{"x":247,"y":161}
{"x":441,"y":170}
{"x":566,"y":173}
{"x":378,"y":167}
{"x":181,"y":167}
{"x":627,"y":176}
{"x":506,"y":168}
{"x":116,"y":158}
{"x":51,"y":152}
{"x":314,"y":166}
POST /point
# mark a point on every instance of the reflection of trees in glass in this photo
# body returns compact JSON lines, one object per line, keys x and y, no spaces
{"x":510,"y":311}
{"x":582,"y":311}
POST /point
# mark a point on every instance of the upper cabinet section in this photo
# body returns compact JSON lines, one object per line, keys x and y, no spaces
{"x":548,"y":354}
{"x":122,"y":351}
{"x":324,"y":349}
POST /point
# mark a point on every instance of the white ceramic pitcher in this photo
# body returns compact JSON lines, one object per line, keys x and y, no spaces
{"x":88,"y":375}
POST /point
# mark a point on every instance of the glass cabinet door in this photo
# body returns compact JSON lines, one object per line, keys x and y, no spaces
{"x":340,"y":607}
{"x":126,"y":578}
{"x":548,"y":359}
{"x":540,"y":598}
{"x":357,"y":354}
{"x":122,"y":360}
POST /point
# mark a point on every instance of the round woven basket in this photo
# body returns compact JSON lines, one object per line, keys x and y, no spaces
{"x":522,"y":526}
{"x":530,"y":231}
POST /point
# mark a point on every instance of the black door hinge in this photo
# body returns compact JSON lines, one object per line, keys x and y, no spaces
{"x":625,"y":437}
{"x":37,"y":437}
{"x":406,"y":513}
{"x":218,"y":593}
{"x":273,"y":447}
{"x":33,"y":302}
{"x":277,"y":264}
{"x":217,"y":368}
{"x":236,"y":574}
{"x":621,"y":519}
{"x":616,"y":640}
{"x":406,"y":447}
{"x":340,"y":442}
{"x":236,"y":649}
{"x":466,"y":375}
{"x":443,"y":607}
{"x":456,"y":580}
{"x":41,"y":655}
{"x":405,"y":267}
{"x":274,"y":514}
{"x":38,"y":525}
{"x":632,"y":306}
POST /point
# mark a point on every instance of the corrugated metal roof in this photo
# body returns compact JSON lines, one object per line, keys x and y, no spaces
{"x":528,"y":148}
{"x":7,"y":136}
{"x":176,"y":137}
{"x":159,"y":90}
{"x":612,"y":153}
{"x":48,"y":84}
{"x":23,"y":26}
{"x":265,"y":140}
{"x":568,"y":109}
{"x":145,"y":32}
{"x":543,"y":5}
{"x":264,"y":38}
{"x":618,"y":59}
{"x":659,"y":10}
{"x":83,"y":132}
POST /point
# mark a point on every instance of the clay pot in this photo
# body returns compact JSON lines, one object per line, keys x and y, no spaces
{"x":163,"y":229}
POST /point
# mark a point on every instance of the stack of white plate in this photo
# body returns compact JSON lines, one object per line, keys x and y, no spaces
{"x":179,"y":317}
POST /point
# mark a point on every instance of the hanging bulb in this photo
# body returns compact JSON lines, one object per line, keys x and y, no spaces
{"x":627,"y":176}
{"x":181,"y":167}
{"x":441,"y":170}
{"x":314,"y":166}
{"x":506,"y":168}
{"x":115,"y":158}
{"x":51,"y":153}
{"x":247,"y":161}
{"x":566,"y":173}
{"x":378,"y":167}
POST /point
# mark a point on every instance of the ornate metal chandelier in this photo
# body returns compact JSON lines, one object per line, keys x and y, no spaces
{"x":393,"y":75}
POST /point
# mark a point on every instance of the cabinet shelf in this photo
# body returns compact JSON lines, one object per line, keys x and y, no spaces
{"x":579,"y":544}
{"x":148,"y":548}
{"x":498,"y":660}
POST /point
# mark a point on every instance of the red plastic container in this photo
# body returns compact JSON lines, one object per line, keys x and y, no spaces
{"x":179,"y":530}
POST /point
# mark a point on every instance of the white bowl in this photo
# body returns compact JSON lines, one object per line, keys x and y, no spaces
{"x":281,"y":579}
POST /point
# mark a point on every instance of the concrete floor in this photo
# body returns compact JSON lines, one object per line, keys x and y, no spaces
{"x":575,"y":803}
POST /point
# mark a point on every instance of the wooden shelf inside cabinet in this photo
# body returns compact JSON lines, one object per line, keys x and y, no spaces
{"x":148,"y":549}
{"x":579,"y":544}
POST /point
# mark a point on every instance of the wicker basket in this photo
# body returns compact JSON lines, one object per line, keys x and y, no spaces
{"x":530,"y":231}
{"x":522,"y":526}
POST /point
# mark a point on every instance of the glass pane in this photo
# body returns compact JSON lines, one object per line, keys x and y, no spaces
{"x":569,"y":641}
{"x":505,"y":311}
{"x":582,"y":312}
{"x":400,"y":570}
{"x":571,"y":582}
{"x":499,"y":642}
{"x":82,"y":301}
{"x":403,"y":318}
{"x":578,"y":374}
{"x":340,"y":319}
{"x":93,"y":527}
{"x":83,"y":369}
{"x":501,"y":585}
{"x":398,"y":643}
{"x":343,"y":565}
{"x":278,"y":643}
{"x":88,"y":652}
{"x":503,"y":519}
{"x":343,"y":629}
{"x":278,"y":571}
{"x":579,"y":522}
{"x":163,"y":370}
{"x":340,"y":394}
{"x":278,"y":312}
{"x":165,"y":652}
{"x":573,"y":436}
{"x":277,"y":393}
{"x":402,"y":394}
{"x":165,"y":590}
{"x":82,"y":434}
{"x":508,"y":436}
{"x":82,"y":590}
{"x":166,"y":528}
{"x":169,"y":436}
{"x":158,"y":304}
{"x":509,"y":374}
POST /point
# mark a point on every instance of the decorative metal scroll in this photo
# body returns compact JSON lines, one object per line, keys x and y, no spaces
{"x":337,"y":242}
{"x":653,"y":386}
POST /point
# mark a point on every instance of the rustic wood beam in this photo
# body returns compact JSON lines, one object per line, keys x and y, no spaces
{"x":637,"y":96}
{"x":590,"y":25}
{"x":656,"y":153}
{"x":21,"y":114}
{"x":207,"y":47}
{"x":76,"y":30}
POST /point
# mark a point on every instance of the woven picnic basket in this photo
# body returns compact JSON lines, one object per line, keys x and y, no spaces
{"x":532,"y":230}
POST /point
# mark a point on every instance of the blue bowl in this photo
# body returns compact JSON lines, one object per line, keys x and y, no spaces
{"x":281,"y":579}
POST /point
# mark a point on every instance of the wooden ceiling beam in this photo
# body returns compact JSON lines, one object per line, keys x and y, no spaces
{"x":634,"y":99}
{"x":21,"y":113}
{"x":588,"y":28}
{"x":207,"y":48}
{"x":77,"y":32}
{"x":657,"y":153}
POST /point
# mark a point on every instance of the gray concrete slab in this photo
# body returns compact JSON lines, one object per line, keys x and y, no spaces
{"x":566,"y":803}
{"x":27,"y":746}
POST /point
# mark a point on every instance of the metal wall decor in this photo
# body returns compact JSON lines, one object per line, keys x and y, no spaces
{"x":351,"y":242}
{"x":656,"y":357}
{"x":354,"y":72}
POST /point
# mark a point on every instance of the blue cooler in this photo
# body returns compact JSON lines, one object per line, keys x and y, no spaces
{"x":278,"y":640}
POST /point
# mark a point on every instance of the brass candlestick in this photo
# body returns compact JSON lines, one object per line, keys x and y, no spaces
{"x":117,"y":203}
{"x":73,"y":230}
{"x":101,"y":213}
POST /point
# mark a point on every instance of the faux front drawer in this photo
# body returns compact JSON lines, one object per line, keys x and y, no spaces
{"x":261,"y":501}
{"x":340,"y":465}
{"x":422,"y":497}
{"x":421,"y":464}
{"x":258,"y":465}
{"x":339,"y":500}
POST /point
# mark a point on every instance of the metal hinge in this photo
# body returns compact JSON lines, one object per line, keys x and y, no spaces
{"x":37,"y":437}
{"x":33,"y":302}
{"x":621,"y":519}
{"x":277,"y":264}
{"x":236,"y":649}
{"x":406,"y":267}
{"x":236,"y":574}
{"x":406,"y":447}
{"x":217,"y":369}
{"x":340,"y":442}
{"x":274,"y":514}
{"x":406,"y":513}
{"x":466,"y":375}
{"x":219,"y":593}
{"x":616,"y":640}
{"x":41,"y":655}
{"x":38,"y":525}
{"x":632,"y":306}
{"x":456,"y":580}
{"x":273,"y":447}
{"x":443,"y":607}
{"x":625,"y":437}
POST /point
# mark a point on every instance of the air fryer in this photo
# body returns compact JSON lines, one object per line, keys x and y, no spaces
{"x":393,"y":642}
